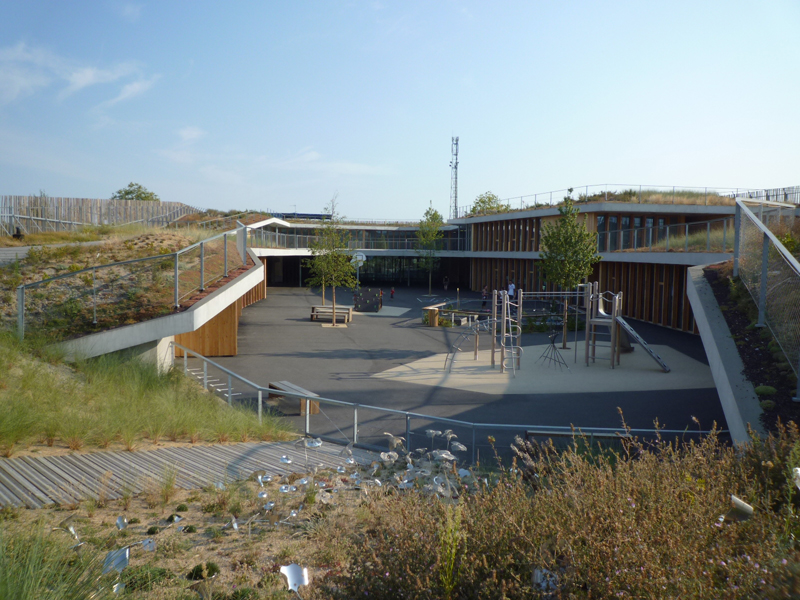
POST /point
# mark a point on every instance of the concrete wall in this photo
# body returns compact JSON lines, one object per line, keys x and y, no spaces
{"x":736,"y":394}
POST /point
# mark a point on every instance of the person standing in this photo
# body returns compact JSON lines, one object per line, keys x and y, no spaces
{"x":484,"y":296}
{"x":512,"y":289}
{"x":446,"y":282}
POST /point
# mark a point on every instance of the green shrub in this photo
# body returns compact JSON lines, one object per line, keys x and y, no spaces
{"x":152,"y":530}
{"x":200,"y":571}
{"x":767,"y":404}
{"x":144,"y":577}
{"x":181,"y":508}
{"x":766,"y":390}
{"x":190,"y":529}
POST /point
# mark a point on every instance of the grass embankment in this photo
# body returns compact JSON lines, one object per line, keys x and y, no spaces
{"x":109,"y":402}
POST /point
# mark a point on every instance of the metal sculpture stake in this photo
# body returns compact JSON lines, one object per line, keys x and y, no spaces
{"x":295,"y":576}
{"x":551,"y":354}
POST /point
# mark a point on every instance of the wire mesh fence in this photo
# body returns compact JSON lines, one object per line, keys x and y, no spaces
{"x":772,"y":276}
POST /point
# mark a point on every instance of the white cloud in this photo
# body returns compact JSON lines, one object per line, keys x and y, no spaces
{"x":131,"y":90}
{"x":26,"y":70}
{"x":191,"y":133}
{"x":83,"y":77}
{"x":131,"y":12}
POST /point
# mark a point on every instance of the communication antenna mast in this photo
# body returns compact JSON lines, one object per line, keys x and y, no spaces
{"x":454,"y":179}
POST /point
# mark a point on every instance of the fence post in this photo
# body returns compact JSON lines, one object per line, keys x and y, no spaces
{"x":94,"y":297}
{"x":260,"y":400}
{"x":667,"y":238}
{"x":21,"y":312}
{"x":686,"y":238}
{"x":408,"y":433}
{"x":205,"y":375}
{"x":185,"y":362}
{"x":355,"y":423}
{"x":724,"y":233}
{"x":762,"y":297}
{"x":473,"y":443}
{"x":307,"y":420}
{"x":225,"y":244}
{"x":708,"y":236}
{"x":177,"y":275}
{"x":230,"y":391}
{"x":737,"y":238}
{"x":202,"y":266}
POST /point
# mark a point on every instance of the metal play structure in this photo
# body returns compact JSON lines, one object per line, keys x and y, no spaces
{"x":545,"y":312}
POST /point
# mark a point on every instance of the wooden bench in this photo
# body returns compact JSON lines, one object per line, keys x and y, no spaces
{"x":345,"y":312}
{"x":285,"y":386}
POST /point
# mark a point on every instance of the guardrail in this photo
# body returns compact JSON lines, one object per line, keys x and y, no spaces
{"x":772,"y":276}
{"x":106,"y":296}
{"x":262,"y":238}
{"x":406,"y":418}
{"x":700,"y":236}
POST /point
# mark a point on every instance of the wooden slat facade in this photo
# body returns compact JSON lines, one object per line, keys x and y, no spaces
{"x":220,"y":336}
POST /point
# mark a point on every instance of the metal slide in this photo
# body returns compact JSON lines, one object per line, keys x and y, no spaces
{"x":632,"y":332}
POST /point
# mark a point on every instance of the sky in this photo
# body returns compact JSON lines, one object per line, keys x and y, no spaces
{"x":284,"y":105}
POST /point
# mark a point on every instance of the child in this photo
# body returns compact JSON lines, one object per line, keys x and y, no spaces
{"x":392,"y":293}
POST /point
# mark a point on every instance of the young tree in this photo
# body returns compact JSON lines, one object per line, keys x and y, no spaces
{"x":487,"y":204}
{"x":428,"y":236}
{"x":570,"y":251}
{"x":135,"y":191}
{"x":330,"y":263}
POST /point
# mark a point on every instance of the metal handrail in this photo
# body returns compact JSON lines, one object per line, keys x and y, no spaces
{"x":558,"y":430}
{"x":175,"y":256}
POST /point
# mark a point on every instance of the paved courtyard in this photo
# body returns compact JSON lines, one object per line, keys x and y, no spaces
{"x":390,"y":360}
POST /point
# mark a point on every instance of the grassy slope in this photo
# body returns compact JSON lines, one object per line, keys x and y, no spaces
{"x":108,"y":402}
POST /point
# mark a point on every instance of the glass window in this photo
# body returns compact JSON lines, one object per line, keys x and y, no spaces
{"x":626,"y":232}
{"x":613,"y":235}
{"x":601,"y":235}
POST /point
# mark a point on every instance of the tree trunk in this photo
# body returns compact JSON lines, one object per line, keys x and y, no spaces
{"x":566,"y":326}
{"x":430,"y":279}
{"x":323,"y":293}
{"x":333,"y":294}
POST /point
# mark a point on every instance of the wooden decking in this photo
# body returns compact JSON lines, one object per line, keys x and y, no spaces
{"x":35,"y":482}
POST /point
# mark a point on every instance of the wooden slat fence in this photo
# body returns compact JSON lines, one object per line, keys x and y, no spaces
{"x":41,"y":213}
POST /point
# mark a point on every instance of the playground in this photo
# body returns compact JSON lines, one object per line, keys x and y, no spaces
{"x":389,"y":359}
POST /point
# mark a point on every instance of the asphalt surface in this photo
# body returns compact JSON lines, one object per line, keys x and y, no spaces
{"x":277,"y":341}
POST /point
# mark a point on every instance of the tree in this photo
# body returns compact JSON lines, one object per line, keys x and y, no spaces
{"x":135,"y":191}
{"x":428,"y":236}
{"x":570,"y":251}
{"x":330,"y":263}
{"x":487,"y":204}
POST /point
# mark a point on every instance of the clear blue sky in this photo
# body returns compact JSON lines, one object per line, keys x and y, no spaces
{"x":276,"y":104}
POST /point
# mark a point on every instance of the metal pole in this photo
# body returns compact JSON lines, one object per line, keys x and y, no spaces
{"x":493,"y":324}
{"x":408,"y":433}
{"x":355,"y":423}
{"x":205,"y":375}
{"x":202,"y":266}
{"x":307,"y":424}
{"x":473,"y":443}
{"x":724,"y":233}
{"x":737,"y":236}
{"x":21,"y":312}
{"x":708,"y":236}
{"x":185,"y":362}
{"x":686,"y":241}
{"x":94,"y":297}
{"x":177,"y":275}
{"x":225,"y":253}
{"x":260,"y":400}
{"x":668,"y":238}
{"x":762,"y":297}
{"x":230,"y":391}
